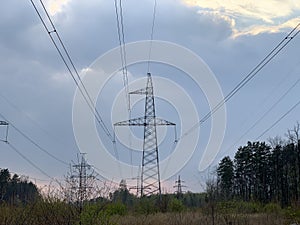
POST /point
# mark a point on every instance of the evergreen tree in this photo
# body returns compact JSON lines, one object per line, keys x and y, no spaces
{"x":14,"y":190}
{"x":276,"y":173}
{"x":4,"y":182}
{"x":243,"y":171}
{"x":225,"y":173}
{"x":261,"y":171}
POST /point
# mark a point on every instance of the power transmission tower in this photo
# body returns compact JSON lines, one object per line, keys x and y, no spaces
{"x":138,"y":186}
{"x":81,"y":180}
{"x":5,"y":124}
{"x":150,"y":176}
{"x":179,"y":186}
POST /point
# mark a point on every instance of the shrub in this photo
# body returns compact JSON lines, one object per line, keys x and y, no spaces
{"x":176,"y":205}
{"x":116,"y":209}
{"x":248,"y":207}
{"x":272,"y":208}
{"x":146,"y":206}
{"x":93,"y":214}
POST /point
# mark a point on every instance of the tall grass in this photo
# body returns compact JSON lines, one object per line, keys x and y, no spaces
{"x":56,"y":212}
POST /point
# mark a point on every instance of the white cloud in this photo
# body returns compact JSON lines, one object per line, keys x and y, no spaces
{"x":56,"y":6}
{"x":217,"y":16}
{"x":257,"y":29}
{"x":61,"y":78}
{"x":251,"y":17}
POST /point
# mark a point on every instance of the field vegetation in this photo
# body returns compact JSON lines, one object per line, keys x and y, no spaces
{"x":260,"y":185}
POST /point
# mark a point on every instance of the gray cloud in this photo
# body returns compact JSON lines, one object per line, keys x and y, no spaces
{"x":34,"y":79}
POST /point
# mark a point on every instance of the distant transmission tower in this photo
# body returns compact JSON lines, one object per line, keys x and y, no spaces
{"x":179,"y":186}
{"x":81,"y":181}
{"x":150,"y":176}
{"x":138,"y":180}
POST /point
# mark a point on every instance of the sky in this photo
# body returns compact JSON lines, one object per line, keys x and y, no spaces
{"x":231,"y":37}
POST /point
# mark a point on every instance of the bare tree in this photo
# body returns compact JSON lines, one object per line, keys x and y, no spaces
{"x":293,"y":138}
{"x":293,"y":134}
{"x":276,"y":141}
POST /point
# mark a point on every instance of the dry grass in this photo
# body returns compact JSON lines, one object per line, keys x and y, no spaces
{"x":57,"y":213}
{"x":198,"y":218}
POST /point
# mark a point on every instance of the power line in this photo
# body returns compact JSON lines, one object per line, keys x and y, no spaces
{"x":68,"y":62}
{"x":125,"y":71}
{"x":267,"y":112}
{"x":123,"y":55}
{"x":117,"y":154}
{"x":277,"y":121}
{"x":88,"y":99}
{"x":282,"y":44}
{"x":33,"y":164}
{"x":36,"y":123}
{"x":33,"y":142}
{"x":29,"y":161}
{"x":61,"y":53}
{"x":269,"y":95}
{"x":121,"y":38}
{"x":152,"y":33}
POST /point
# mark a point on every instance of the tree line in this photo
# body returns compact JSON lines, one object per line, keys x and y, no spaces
{"x":263,"y":172}
{"x":15,"y":189}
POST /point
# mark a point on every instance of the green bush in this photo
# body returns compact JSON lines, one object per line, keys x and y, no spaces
{"x":116,"y":209}
{"x":239,"y":207}
{"x":272,"y":208}
{"x":146,"y":206}
{"x":93,"y":214}
{"x":176,"y":205}
{"x":249,"y":207}
{"x":292,"y":213}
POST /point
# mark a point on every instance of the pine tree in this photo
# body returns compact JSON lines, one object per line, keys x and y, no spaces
{"x":225,"y":173}
{"x":261,"y":171}
{"x":243,"y":172}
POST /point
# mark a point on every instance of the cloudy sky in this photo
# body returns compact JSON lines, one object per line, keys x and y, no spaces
{"x":231,"y":37}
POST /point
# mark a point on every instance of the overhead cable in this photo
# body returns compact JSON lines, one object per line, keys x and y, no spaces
{"x":277,"y":121}
{"x":68,"y":62}
{"x":274,"y":52}
{"x":32,"y":141}
{"x":152,"y":34}
{"x":122,"y":45}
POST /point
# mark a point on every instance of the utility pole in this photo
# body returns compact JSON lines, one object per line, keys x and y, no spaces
{"x":150,"y":176}
{"x":179,"y":186}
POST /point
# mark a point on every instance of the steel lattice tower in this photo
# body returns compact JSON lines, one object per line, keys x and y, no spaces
{"x":81,"y":180}
{"x":178,"y":185}
{"x":150,"y":176}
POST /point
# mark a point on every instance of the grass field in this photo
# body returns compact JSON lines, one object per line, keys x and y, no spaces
{"x":57,"y":213}
{"x":196,"y":218}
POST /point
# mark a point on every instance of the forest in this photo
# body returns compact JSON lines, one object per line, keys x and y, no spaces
{"x":263,"y":172}
{"x":259,"y":185}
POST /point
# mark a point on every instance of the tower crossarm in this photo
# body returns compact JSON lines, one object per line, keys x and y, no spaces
{"x":142,"y":91}
{"x":3,"y":123}
{"x":141,"y":121}
{"x":150,"y":176}
{"x":6,"y":124}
